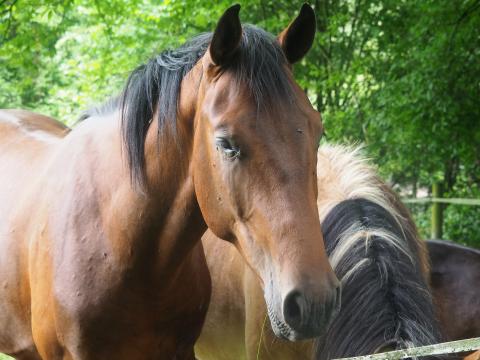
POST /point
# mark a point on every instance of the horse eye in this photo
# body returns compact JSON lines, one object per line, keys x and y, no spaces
{"x":229,"y":150}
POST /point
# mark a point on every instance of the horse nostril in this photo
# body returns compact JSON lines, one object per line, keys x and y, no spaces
{"x":293,"y":307}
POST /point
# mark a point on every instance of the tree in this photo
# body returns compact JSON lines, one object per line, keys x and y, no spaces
{"x":399,"y":76}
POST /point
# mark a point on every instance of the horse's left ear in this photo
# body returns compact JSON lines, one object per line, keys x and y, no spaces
{"x":298,"y":37}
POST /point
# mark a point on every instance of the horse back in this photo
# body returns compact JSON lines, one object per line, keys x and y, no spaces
{"x":25,"y":140}
{"x":28,"y":121}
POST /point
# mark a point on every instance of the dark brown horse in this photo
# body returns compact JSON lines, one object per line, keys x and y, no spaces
{"x":215,"y":133}
{"x":374,"y":249}
{"x":455,"y":281}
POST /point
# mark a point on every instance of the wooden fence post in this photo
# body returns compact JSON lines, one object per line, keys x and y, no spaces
{"x":437,"y":212}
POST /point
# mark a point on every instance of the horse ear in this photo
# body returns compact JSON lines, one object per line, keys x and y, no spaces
{"x":226,"y":37}
{"x":298,"y":37}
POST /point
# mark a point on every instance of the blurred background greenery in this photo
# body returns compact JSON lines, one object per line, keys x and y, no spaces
{"x":401,"y":77}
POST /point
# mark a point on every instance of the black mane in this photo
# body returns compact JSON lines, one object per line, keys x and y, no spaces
{"x":385,"y":299}
{"x":153,"y":88}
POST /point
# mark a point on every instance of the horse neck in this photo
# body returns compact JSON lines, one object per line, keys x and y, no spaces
{"x":384,"y":296}
{"x":164,"y":219}
{"x":174,"y":204}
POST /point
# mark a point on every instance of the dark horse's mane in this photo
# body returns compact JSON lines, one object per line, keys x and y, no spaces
{"x":152,"y":90}
{"x":385,"y":298}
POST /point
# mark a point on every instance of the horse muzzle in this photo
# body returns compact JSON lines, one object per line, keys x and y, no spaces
{"x":304,"y":316}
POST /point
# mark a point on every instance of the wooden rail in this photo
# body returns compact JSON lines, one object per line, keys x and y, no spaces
{"x":437,"y":349}
{"x":456,"y":201}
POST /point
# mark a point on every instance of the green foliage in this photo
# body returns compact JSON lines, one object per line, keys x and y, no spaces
{"x":400,"y":76}
{"x":462,"y":222}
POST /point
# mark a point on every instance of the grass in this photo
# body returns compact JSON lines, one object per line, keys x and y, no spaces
{"x":5,"y":357}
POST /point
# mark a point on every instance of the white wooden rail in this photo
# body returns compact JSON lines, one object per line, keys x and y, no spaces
{"x":457,"y":201}
{"x":437,"y":349}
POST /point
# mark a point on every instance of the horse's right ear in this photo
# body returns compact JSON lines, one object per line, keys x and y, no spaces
{"x":226,"y":37}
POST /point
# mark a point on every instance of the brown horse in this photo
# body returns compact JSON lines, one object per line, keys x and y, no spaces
{"x":474,"y":356}
{"x":101,"y":257}
{"x":455,"y":279}
{"x":374,"y":248}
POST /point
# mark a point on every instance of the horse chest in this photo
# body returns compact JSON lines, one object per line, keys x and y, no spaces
{"x":97,"y":277}
{"x":102,"y":300}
